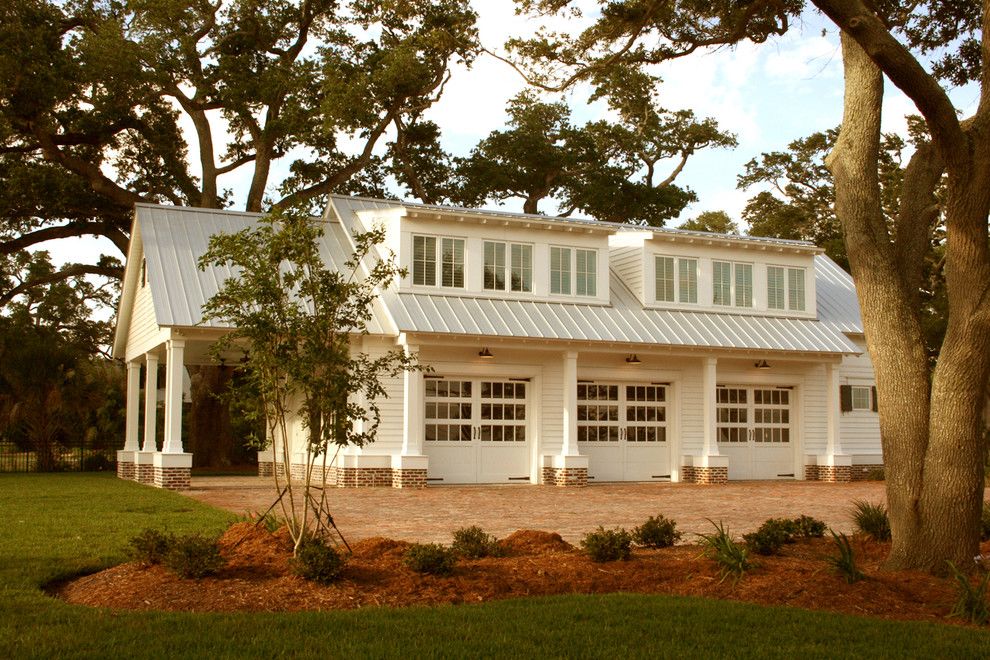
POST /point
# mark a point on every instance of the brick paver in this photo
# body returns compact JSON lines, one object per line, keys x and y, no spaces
{"x":431,"y":514}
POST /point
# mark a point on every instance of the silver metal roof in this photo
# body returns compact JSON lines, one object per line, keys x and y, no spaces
{"x":174,"y":238}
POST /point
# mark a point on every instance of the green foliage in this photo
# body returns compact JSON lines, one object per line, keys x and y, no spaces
{"x":193,"y":556}
{"x":810,"y":528}
{"x":971,"y":600}
{"x":474,"y":543}
{"x":771,"y":536}
{"x":717,"y":222}
{"x":845,"y":562}
{"x":732,"y":558}
{"x":150,"y":546}
{"x":604,"y":545}
{"x":657,"y":532}
{"x":871,"y":519}
{"x":430,"y":558}
{"x":317,"y":562}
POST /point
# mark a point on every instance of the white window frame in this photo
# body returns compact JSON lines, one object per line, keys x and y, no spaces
{"x":734,"y":292}
{"x":509,"y":266}
{"x":853,"y":390}
{"x":787,"y":289}
{"x":438,"y":263}
{"x":681,"y":293}
{"x":571,"y":271}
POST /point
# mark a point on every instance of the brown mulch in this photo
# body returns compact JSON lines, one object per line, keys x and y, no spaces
{"x":258,"y":577}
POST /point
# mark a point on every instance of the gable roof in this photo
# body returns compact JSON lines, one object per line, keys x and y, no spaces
{"x":172,"y":239}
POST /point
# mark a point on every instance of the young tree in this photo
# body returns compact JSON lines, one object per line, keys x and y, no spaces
{"x":298,"y":317}
{"x":930,"y":421}
{"x":718,"y":222}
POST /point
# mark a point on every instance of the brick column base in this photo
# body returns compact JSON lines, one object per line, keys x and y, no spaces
{"x":828,"y":473}
{"x":266,"y":469}
{"x":870,"y":472}
{"x":408,"y":478}
{"x":172,"y":478}
{"x":126,"y":470}
{"x":565,"y":477}
{"x":351,"y":477}
{"x":144,"y":473}
{"x":691,"y":474}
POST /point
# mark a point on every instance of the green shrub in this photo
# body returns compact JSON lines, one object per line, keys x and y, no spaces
{"x":473,"y":543}
{"x":430,"y":558}
{"x":876,"y":474}
{"x":771,"y":536}
{"x":871,"y":519}
{"x":604,"y":545}
{"x":732,"y":558}
{"x":810,"y":528}
{"x":985,"y":522}
{"x":97,"y":463}
{"x":194,"y":556}
{"x":317,"y":562}
{"x":845,"y":562}
{"x":150,"y":546}
{"x":658,"y":532}
{"x":971,"y":602}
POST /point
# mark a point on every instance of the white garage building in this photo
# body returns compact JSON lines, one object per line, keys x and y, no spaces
{"x":562,"y":351}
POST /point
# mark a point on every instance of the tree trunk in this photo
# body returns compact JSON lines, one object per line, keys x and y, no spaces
{"x":932,"y":446}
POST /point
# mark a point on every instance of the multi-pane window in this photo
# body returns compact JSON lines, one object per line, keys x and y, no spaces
{"x":732,"y":283}
{"x":682,"y":289}
{"x":785,"y":286}
{"x":587,"y":277}
{"x":861,"y":398}
{"x":560,"y":270}
{"x":517,"y":274}
{"x":426,"y":259}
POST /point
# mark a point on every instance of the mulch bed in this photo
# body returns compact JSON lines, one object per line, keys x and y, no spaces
{"x":258,"y":577}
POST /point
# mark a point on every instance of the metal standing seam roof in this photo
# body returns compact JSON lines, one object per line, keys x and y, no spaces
{"x":174,"y":238}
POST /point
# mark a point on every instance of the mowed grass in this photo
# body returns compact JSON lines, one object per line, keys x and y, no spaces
{"x":58,"y":525}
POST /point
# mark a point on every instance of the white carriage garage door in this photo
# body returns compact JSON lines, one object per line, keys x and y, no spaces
{"x":754,"y":431}
{"x":477,"y":430}
{"x":622,"y":429}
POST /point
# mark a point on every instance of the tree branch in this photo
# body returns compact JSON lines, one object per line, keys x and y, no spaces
{"x":73,"y":270}
{"x":107,"y":229}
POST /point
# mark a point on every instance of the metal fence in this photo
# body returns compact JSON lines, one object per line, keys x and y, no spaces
{"x":69,"y":459}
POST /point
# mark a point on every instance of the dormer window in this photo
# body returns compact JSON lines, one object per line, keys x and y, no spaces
{"x":583,"y":263}
{"x":785,"y":284}
{"x":676,"y":279}
{"x":732,"y":284}
{"x":514,"y":273}
{"x":431,"y":251}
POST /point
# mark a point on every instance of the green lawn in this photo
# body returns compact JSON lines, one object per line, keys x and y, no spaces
{"x":57,"y":525}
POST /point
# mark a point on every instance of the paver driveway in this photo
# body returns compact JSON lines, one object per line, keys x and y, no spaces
{"x":431,"y":514}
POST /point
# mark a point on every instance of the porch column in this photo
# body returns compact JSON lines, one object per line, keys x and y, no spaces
{"x":833,"y":465}
{"x":708,"y":380}
{"x":126,"y":457}
{"x":569,"y":467}
{"x":173,"y":467}
{"x":409,"y":468}
{"x":711,"y":467}
{"x":175,"y":350}
{"x":150,"y":402}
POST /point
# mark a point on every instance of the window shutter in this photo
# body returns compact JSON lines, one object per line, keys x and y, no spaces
{"x":845,"y":398}
{"x":873,"y":399}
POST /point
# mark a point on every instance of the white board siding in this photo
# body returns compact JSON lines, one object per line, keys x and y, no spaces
{"x":144,"y":334}
{"x":859,"y":429}
{"x":627,"y":262}
{"x":815,"y":410}
{"x":388,"y":439}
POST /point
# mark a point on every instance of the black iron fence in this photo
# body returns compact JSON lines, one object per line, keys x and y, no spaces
{"x":57,"y":459}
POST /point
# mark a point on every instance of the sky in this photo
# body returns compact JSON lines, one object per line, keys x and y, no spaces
{"x":766,"y":94}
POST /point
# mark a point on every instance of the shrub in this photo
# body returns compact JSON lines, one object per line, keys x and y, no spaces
{"x":194,"y":556}
{"x":810,"y":528}
{"x":150,"y":546}
{"x":317,"y":562}
{"x":971,"y":602}
{"x":876,"y":474}
{"x":604,"y":545}
{"x":430,"y":558}
{"x":473,"y":543}
{"x":985,"y":522}
{"x":871,"y":519}
{"x":771,"y":536}
{"x":732,"y":558}
{"x":845,"y":562}
{"x":658,"y":532}
{"x":97,"y":463}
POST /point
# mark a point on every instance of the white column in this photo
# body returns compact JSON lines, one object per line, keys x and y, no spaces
{"x":133,"y":407}
{"x":413,"y":408}
{"x":150,"y":402}
{"x":569,"y":446}
{"x":175,"y":350}
{"x":708,"y":379}
{"x":833,"y":412}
